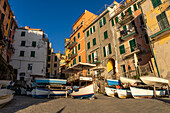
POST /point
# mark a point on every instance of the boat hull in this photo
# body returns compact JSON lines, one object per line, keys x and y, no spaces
{"x":124,"y":93}
{"x":5,"y":96}
{"x":138,"y":93}
{"x":128,"y":80}
{"x":50,"y":81}
{"x":110,"y":91}
{"x":112,"y":82}
{"x":86,"y":92}
{"x":43,"y":93}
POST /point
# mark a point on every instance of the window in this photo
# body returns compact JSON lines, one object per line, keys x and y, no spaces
{"x":130,"y":11}
{"x":22,"y":76}
{"x":116,"y":20}
{"x":104,"y":20}
{"x":146,"y":39}
{"x":2,"y":17}
{"x":22,"y":33}
{"x":88,"y":45}
{"x":33,"y":43}
{"x":74,"y":38}
{"x":55,"y":58}
{"x":79,"y":46}
{"x":132,"y":45}
{"x":29,"y":67}
{"x":93,"y":57}
{"x":162,"y":21}
{"x":79,"y":58}
{"x":55,"y":65}
{"x":113,"y":22}
{"x":48,"y":65}
{"x":122,"y":15}
{"x":135,"y":7}
{"x":22,"y":43}
{"x":32,"y":53}
{"x":101,"y":23}
{"x":89,"y":57}
{"x":78,"y":35}
{"x":74,"y":61}
{"x":49,"y":52}
{"x":94,"y":41}
{"x":49,"y":58}
{"x":4,"y":7}
{"x":93,"y":28}
{"x":22,"y":53}
{"x":105,"y":35}
{"x":110,"y":48}
{"x":104,"y":51}
{"x":122,"y":49}
{"x":87,"y":33}
{"x":156,"y":3}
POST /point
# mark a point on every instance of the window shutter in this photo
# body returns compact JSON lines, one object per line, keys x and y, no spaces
{"x":116,"y":20}
{"x":78,"y":35}
{"x":135,"y":7}
{"x":93,"y":57}
{"x":113,"y":22}
{"x":104,"y":20}
{"x":132,"y":45}
{"x":110,"y":49}
{"x":94,"y":41}
{"x":122,"y":15}
{"x":104,"y":51}
{"x":124,"y":27}
{"x":87,"y":33}
{"x":130,"y":11}
{"x":156,"y":3}
{"x":89,"y":58}
{"x":105,"y":35}
{"x":78,"y":46}
{"x":94,"y":28}
{"x":88,"y":45}
{"x":100,"y":22}
{"x":122,"y":49}
{"x":79,"y":58}
{"x":91,"y":30}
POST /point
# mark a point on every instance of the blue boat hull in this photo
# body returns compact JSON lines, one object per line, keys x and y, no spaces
{"x":112,"y":82}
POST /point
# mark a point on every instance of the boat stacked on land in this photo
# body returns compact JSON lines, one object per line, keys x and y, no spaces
{"x":49,"y":88}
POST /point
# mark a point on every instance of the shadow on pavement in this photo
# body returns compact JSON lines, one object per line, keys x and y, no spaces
{"x":61,"y":110}
{"x":163,"y":100}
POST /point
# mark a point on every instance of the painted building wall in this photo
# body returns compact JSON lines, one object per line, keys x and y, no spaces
{"x":21,"y":63}
{"x":159,"y":36}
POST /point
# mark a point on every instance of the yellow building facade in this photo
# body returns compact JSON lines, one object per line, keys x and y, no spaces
{"x":157,"y":18}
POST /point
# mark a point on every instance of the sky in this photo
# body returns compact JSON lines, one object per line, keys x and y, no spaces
{"x":54,"y":17}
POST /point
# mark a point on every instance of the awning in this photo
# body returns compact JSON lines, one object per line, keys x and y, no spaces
{"x":79,"y":67}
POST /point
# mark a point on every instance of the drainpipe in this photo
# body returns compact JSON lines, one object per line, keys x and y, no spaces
{"x":151,"y":45}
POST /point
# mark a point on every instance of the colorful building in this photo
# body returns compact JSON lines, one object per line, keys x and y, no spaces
{"x":157,"y":18}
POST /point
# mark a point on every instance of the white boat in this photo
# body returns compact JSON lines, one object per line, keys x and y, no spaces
{"x":43,"y":93}
{"x":85,"y":92}
{"x":110,"y":91}
{"x":149,"y":80}
{"x":50,"y":81}
{"x":145,"y":93}
{"x":130,"y":81}
{"x":6,"y":96}
{"x":112,"y":82}
{"x":124,"y":93}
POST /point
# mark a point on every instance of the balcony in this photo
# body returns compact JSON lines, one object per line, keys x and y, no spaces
{"x":73,"y":55}
{"x":127,"y":17}
{"x":125,"y":34}
{"x":131,"y":50}
{"x":72,"y":45}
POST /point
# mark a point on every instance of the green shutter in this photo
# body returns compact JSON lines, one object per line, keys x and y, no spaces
{"x":33,"y":44}
{"x":79,"y":58}
{"x":122,"y":14}
{"x":104,"y":51}
{"x":32,"y":53}
{"x":156,"y":3}
{"x":94,"y":41}
{"x":88,"y":45}
{"x":93,"y":57}
{"x":89,"y":58}
{"x":116,"y":20}
{"x":78,"y":46}
{"x":113,"y":22}
{"x":132,"y":45}
{"x":105,"y":35}
{"x":91,"y":30}
{"x":94,"y":28}
{"x":74,"y":61}
{"x":21,"y":53}
{"x":124,"y":27}
{"x":104,"y":20}
{"x":135,"y":7}
{"x":110,"y":49}
{"x":100,"y":22}
{"x":162,"y":20}
{"x":87,"y":33}
{"x":130,"y":11}
{"x":122,"y":49}
{"x":78,"y":35}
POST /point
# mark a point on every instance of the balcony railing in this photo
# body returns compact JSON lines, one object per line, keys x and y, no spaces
{"x":73,"y":55}
{"x":72,"y":45}
{"x":127,"y":33}
{"x":127,"y":17}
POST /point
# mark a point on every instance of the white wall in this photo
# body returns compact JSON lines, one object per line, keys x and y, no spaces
{"x":38,"y":62}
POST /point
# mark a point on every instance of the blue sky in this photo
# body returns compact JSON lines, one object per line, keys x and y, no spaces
{"x":54,"y":17}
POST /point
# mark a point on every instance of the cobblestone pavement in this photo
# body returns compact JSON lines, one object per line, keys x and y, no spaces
{"x":103,"y":104}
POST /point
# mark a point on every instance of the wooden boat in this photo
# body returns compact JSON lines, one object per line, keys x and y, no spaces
{"x":110,"y":91}
{"x":112,"y":82}
{"x":124,"y":93}
{"x":130,"y":81}
{"x":43,"y":93}
{"x":149,"y":80}
{"x":6,"y":96}
{"x":145,"y":93}
{"x":50,"y":81}
{"x":85,"y":92}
